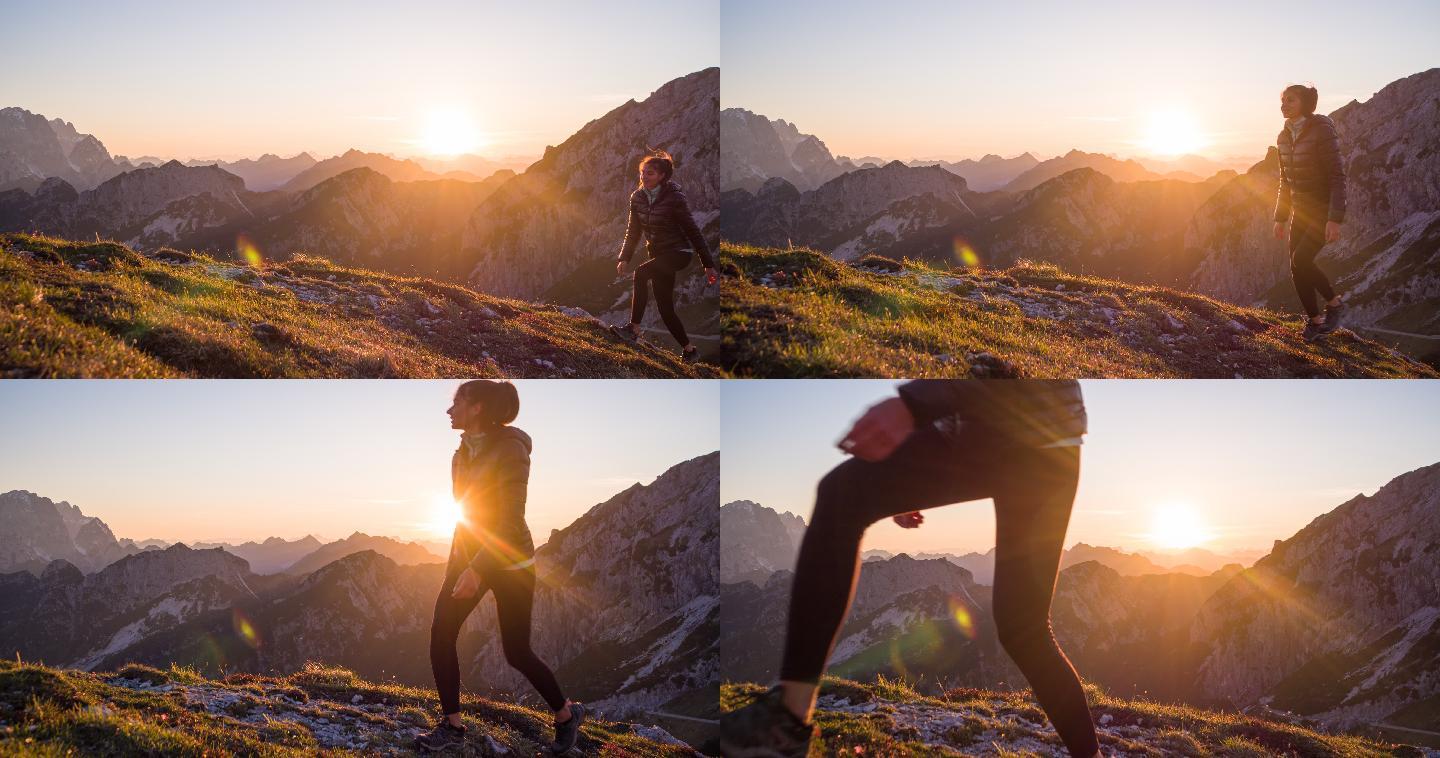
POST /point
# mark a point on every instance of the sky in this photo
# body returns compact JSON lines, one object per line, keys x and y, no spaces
{"x":1248,"y":461}
{"x":238,"y":460}
{"x":226,"y":80}
{"x":947,"y":79}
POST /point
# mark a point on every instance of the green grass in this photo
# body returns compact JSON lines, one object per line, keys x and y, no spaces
{"x":799,"y":313}
{"x":894,"y":720}
{"x":46,"y":711}
{"x":73,"y":309}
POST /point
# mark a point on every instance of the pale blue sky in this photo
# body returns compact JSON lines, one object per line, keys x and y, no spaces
{"x":237,"y":79}
{"x":945,"y":78}
{"x":217,"y":459}
{"x":1255,"y":460}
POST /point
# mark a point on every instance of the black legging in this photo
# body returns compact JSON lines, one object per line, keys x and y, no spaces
{"x":514,"y":594}
{"x":1033,"y":489}
{"x":1307,"y":236}
{"x":660,"y":272}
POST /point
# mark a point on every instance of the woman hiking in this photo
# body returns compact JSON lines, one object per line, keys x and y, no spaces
{"x":1312,"y":200}
{"x":939,"y":442}
{"x":491,"y":551}
{"x":660,"y":214}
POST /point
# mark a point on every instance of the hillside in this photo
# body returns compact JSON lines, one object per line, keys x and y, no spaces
{"x":887,"y":718}
{"x":138,"y":710}
{"x":104,"y":310}
{"x":799,"y":313}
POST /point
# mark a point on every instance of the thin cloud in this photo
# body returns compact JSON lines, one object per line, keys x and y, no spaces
{"x":1094,"y":118}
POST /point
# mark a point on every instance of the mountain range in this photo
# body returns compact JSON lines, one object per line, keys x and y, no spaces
{"x":1337,"y":626}
{"x":626,"y":608}
{"x":41,"y":531}
{"x":759,"y":541}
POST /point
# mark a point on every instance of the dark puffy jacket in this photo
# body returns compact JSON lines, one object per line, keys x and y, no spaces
{"x":490,"y":476}
{"x":1310,"y":167}
{"x":1028,"y":411}
{"x":666,"y":225}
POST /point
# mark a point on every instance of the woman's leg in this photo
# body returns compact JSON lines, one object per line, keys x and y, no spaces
{"x":450,"y":615}
{"x":1032,"y":513}
{"x":664,"y":284}
{"x":640,"y":295}
{"x":659,"y":272}
{"x":927,"y":470}
{"x":514,"y":597}
{"x":1307,"y":236}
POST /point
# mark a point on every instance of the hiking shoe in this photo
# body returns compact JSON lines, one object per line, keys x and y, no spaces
{"x":443,"y":736}
{"x":567,"y":733}
{"x":764,"y":729}
{"x":1313,"y":331}
{"x":629,"y":332}
{"x":690,"y":354}
{"x":1332,"y":317}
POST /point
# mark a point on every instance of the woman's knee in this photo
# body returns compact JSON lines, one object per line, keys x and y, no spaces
{"x":517,"y":654}
{"x":1021,"y":630}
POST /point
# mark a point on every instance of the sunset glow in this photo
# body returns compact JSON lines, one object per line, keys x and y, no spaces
{"x":1172,"y":132}
{"x":1177,"y":526}
{"x":449,"y":131}
{"x":445,"y":513}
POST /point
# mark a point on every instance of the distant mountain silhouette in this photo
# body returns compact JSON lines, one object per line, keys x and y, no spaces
{"x":403,"y":553}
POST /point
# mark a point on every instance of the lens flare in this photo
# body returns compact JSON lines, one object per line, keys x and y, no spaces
{"x":965,"y":254}
{"x":248,"y":251}
{"x":245,"y":628}
{"x":964,"y":617}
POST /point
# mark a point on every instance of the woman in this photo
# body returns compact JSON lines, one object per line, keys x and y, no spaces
{"x":659,"y":213}
{"x":939,"y":442}
{"x":1312,"y":199}
{"x":491,"y":550}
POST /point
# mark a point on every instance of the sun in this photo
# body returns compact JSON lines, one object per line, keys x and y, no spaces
{"x":445,"y":513}
{"x":1177,"y":527}
{"x":449,"y":131}
{"x":1173,"y":131}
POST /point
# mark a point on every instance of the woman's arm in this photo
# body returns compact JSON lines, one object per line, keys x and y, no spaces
{"x":692,"y":230}
{"x":1282,"y":199}
{"x":632,"y":233}
{"x":1333,"y":166}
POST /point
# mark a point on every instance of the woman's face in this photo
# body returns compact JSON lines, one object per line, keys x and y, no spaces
{"x":650,"y":176}
{"x":464,"y":414}
{"x":1290,"y":105}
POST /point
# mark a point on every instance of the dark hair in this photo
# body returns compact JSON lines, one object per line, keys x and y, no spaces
{"x":661,"y":160}
{"x":500,"y":403}
{"x":1309,"y":96}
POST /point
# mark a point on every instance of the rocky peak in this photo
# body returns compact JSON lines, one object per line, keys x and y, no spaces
{"x":756,"y":541}
{"x":1354,"y":590}
{"x":61,"y":571}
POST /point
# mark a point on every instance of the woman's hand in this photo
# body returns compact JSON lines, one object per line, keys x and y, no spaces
{"x":1280,"y":230}
{"x":711,"y":276}
{"x":1332,"y":231}
{"x":619,"y":268}
{"x":909,"y":520}
{"x":465,"y":585}
{"x":876,"y":434}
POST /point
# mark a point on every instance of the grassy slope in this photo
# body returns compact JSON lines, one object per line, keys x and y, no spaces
{"x":103,"y":310}
{"x":886,"y":718}
{"x":46,"y":711}
{"x":799,"y":313}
